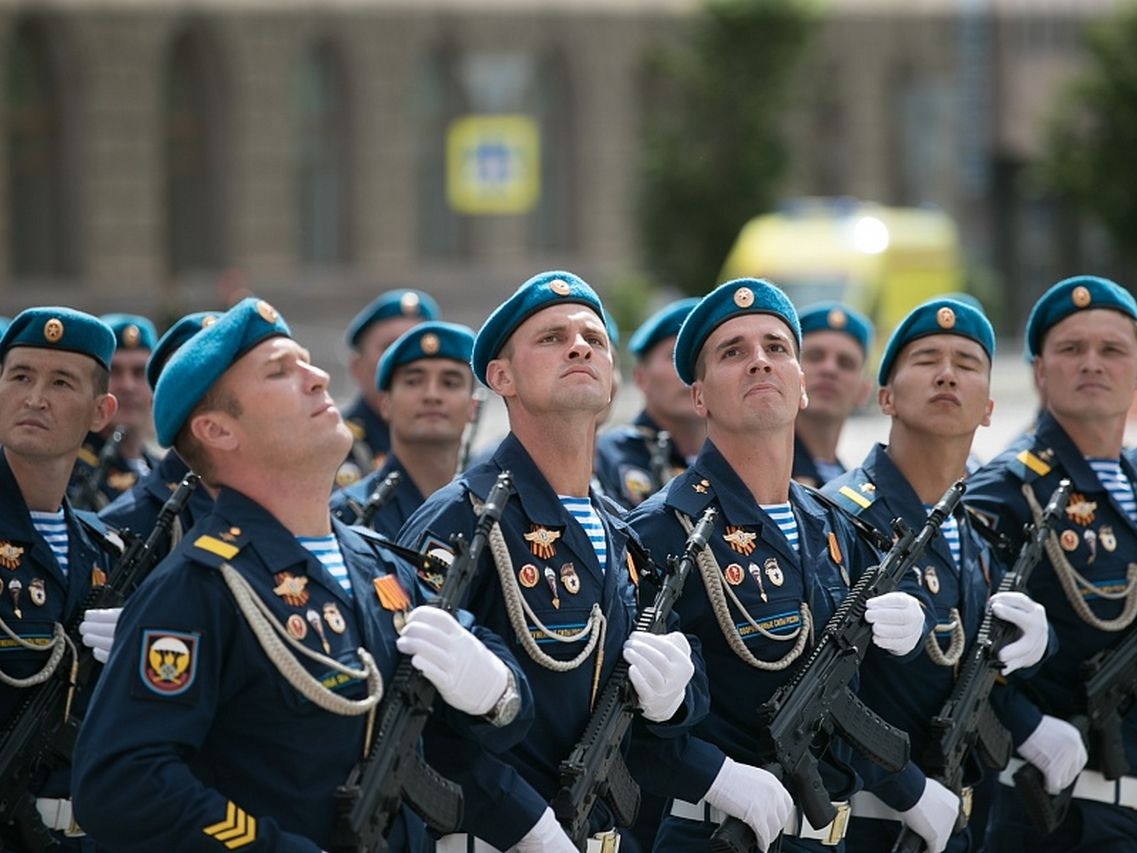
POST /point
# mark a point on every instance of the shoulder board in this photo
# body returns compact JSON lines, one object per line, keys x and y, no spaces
{"x":88,"y":456}
{"x":853,"y":499}
{"x":877,"y":538}
{"x":692,"y":494}
{"x":1028,"y":466}
{"x":213,"y":550}
{"x":104,"y":537}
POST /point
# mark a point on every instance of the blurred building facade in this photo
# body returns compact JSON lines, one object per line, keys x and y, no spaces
{"x":160,"y":156}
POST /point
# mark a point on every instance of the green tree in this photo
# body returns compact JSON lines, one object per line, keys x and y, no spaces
{"x":713,"y":151}
{"x":1093,"y":134}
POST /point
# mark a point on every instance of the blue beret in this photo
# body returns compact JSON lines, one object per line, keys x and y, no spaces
{"x":661,"y":325}
{"x":1070,"y":295}
{"x":426,"y":340}
{"x":940,"y":316}
{"x":393,"y":303}
{"x":60,"y":328}
{"x":192,"y":370}
{"x":541,"y":291}
{"x":5,"y":322}
{"x":174,"y":337}
{"x":131,"y":331}
{"x":837,"y":317}
{"x":730,"y":299}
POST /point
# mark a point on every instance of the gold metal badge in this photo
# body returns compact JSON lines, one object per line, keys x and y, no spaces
{"x":560,"y":287}
{"x":528,"y":576}
{"x":131,"y":336}
{"x":334,"y":618}
{"x":741,"y":541}
{"x":266,"y":311}
{"x":10,"y":555}
{"x":408,"y":304}
{"x":429,"y":343}
{"x":36,"y":592}
{"x":773,"y":571}
{"x":1068,"y":540}
{"x":1080,"y":296}
{"x":297,"y":627}
{"x":945,"y":318}
{"x":208,"y":320}
{"x":53,"y":330}
{"x":569,"y":579}
{"x":733,"y":574}
{"x":1079,"y":510}
{"x":836,"y":319}
{"x":291,"y":588}
{"x":744,"y":297}
{"x":541,"y":541}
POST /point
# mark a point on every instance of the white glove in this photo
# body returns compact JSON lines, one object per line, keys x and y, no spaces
{"x":659,"y":668}
{"x":1055,"y":747}
{"x":546,"y":836}
{"x":897,"y":621}
{"x":468,"y":676}
{"x":1030,"y":618}
{"x":97,"y":628}
{"x":754,"y":796}
{"x":934,"y":815}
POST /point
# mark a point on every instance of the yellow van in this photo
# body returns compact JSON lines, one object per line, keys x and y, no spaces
{"x":880,"y":260}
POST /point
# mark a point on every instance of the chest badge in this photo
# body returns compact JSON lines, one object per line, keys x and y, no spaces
{"x":10,"y":555}
{"x":314,"y":620}
{"x":773,"y":571}
{"x":1068,"y":540}
{"x":740,"y":541}
{"x":1107,"y":538}
{"x":551,"y":580}
{"x":569,"y":579}
{"x":297,"y":627}
{"x":14,"y":590}
{"x":1079,"y":510}
{"x":541,"y":541}
{"x":931,"y":580}
{"x":36,"y":592}
{"x":733,"y":574}
{"x":291,"y":588}
{"x":334,"y":618}
{"x":528,"y":575}
{"x":756,"y":573}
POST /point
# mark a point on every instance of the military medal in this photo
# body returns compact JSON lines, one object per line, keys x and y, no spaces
{"x":334,"y":618}
{"x":1092,"y":542}
{"x":10,"y":555}
{"x":740,"y":541}
{"x":528,"y":576}
{"x":290,"y":587}
{"x":98,"y":577}
{"x":391,"y":594}
{"x":733,"y":574}
{"x":931,"y":580}
{"x":569,"y":579}
{"x":756,"y":573}
{"x":551,"y":580}
{"x":541,"y":541}
{"x":1068,"y":540}
{"x":773,"y":571}
{"x":314,"y":620}
{"x":632,"y":573}
{"x":297,"y":627}
{"x":1106,"y":538}
{"x":36,"y":592}
{"x":1079,"y":510}
{"x":834,"y":548}
{"x":14,"y":589}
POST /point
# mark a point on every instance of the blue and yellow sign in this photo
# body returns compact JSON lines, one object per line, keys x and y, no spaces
{"x":493,"y":164}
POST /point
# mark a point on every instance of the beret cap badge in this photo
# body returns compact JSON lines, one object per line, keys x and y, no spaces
{"x":744,"y":297}
{"x":945,"y":317}
{"x":1081,"y":296}
{"x":559,"y":287}
{"x":408,"y":303}
{"x":53,"y":330}
{"x":266,"y":311}
{"x":430,"y":343}
{"x":131,"y":336}
{"x":837,"y":319}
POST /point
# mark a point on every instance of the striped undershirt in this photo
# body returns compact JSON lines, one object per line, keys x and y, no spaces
{"x":582,"y":510}
{"x":327,"y":551}
{"x":53,"y":528}
{"x":949,"y":530}
{"x":783,"y":516}
{"x":1116,"y":483}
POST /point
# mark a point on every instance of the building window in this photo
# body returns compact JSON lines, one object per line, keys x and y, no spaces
{"x":552,"y":224}
{"x":439,"y":99}
{"x":193,"y":162}
{"x":41,"y":183}
{"x":322,"y":160}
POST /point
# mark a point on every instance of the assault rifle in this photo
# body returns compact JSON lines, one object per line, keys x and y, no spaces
{"x":660,"y":449}
{"x":817,"y":698}
{"x":379,"y":497}
{"x":1110,"y":690}
{"x":394,"y":769}
{"x":85,"y":493}
{"x":43,"y":731}
{"x":966,"y":722}
{"x":595,"y":768}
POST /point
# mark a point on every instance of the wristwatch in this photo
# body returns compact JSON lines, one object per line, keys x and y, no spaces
{"x":505,"y":709}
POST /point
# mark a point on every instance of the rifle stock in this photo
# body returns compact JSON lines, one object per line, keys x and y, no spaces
{"x":817,"y":698}
{"x":43,"y":731}
{"x":966,"y":723}
{"x":394,"y":769}
{"x":595,"y":768}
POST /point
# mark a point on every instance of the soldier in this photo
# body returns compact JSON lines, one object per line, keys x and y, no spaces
{"x":636,"y":460}
{"x":113,"y":460}
{"x":54,"y":365}
{"x":1082,"y":342}
{"x":369,"y":333}
{"x":560,"y":583}
{"x":137,"y":508}
{"x":780,"y":563}
{"x":209,"y":728}
{"x":835,"y":343}
{"x":935,"y":378}
{"x":426,"y":396}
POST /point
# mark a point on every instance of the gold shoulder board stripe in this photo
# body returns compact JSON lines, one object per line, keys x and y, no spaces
{"x":239,"y":829}
{"x":87,"y":456}
{"x":216,"y":546}
{"x":1034,"y":463}
{"x":855,"y":496}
